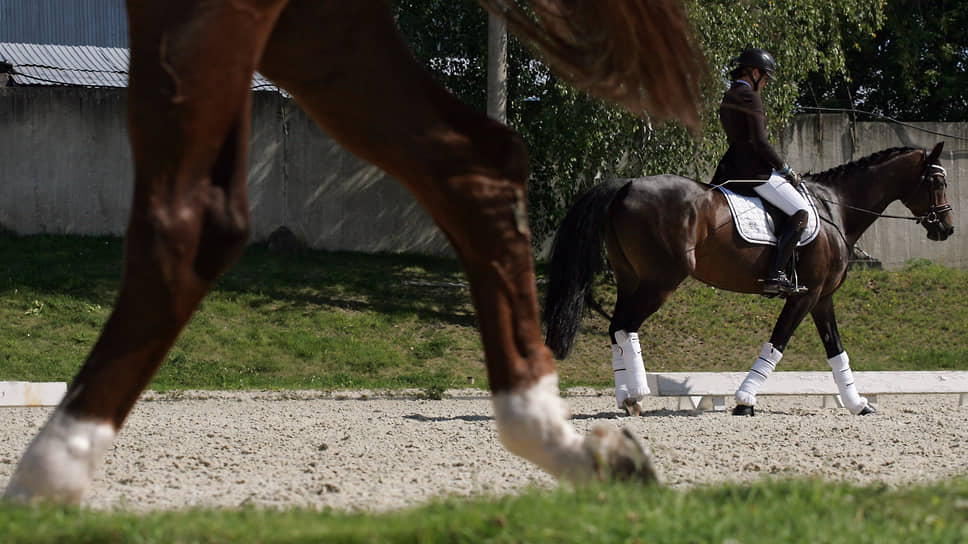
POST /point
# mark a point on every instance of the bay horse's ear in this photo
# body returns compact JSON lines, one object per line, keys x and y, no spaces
{"x":935,"y":153}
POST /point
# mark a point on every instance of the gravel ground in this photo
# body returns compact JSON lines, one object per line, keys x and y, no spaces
{"x":361,"y":451}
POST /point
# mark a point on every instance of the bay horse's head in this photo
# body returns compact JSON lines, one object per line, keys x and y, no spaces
{"x":928,"y":201}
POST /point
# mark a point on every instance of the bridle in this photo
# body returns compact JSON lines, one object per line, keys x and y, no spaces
{"x":936,"y":176}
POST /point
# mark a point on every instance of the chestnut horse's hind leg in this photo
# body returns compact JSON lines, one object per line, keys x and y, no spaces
{"x":346,"y":65}
{"x":188,"y":105}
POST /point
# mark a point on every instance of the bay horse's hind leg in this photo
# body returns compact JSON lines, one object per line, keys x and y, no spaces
{"x":637,"y":299}
{"x":357,"y":79}
{"x":188,"y":107}
{"x":631,"y":310}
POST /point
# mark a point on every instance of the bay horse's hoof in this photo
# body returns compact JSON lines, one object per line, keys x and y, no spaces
{"x":868,"y":410}
{"x":632,"y":407}
{"x":743,"y":410}
{"x":619,"y":455}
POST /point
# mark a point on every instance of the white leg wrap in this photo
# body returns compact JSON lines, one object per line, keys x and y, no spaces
{"x":533,"y":423}
{"x":61,"y":461}
{"x":764,"y":365}
{"x":635,"y":379}
{"x":621,"y":376}
{"x":844,"y":378}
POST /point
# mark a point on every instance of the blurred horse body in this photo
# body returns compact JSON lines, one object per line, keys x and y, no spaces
{"x":346,"y":65}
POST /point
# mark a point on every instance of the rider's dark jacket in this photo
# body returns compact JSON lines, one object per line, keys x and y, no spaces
{"x":750,"y":155}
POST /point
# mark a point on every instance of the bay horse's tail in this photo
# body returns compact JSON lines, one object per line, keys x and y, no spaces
{"x":638,"y":53}
{"x":576,"y":258}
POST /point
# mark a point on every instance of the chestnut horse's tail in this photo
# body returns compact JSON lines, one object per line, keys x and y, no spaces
{"x":640,"y":54}
{"x":576,"y":258}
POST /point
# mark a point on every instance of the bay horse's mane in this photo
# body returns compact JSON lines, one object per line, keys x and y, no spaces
{"x":864,"y":162}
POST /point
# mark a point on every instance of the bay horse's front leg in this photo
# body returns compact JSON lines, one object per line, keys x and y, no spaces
{"x":188,"y":108}
{"x":346,"y":65}
{"x":793,"y":312}
{"x":823,"y":318}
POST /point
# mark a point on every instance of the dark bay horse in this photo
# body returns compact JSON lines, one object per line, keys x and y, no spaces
{"x":344,"y":62}
{"x":659,"y":230}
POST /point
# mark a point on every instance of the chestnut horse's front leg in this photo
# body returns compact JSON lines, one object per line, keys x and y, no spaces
{"x":188,"y":108}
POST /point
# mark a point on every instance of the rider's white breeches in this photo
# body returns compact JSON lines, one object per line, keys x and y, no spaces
{"x":782,"y":194}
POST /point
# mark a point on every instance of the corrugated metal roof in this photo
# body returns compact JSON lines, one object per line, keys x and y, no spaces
{"x":77,"y":65}
{"x":86,"y":66}
{"x":64,"y":22}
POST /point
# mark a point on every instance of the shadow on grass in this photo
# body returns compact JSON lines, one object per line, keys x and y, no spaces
{"x":89,"y":269}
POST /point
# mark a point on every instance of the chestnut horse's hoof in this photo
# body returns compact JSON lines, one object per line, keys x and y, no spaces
{"x":632,"y":407}
{"x":619,"y":455}
{"x":743,"y":410}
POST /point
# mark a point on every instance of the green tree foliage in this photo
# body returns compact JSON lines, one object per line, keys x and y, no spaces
{"x":450,"y":38}
{"x":576,"y":141}
{"x":914,"y":68}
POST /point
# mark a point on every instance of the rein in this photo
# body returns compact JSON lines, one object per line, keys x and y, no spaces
{"x":870,"y":212}
{"x":934,"y":212}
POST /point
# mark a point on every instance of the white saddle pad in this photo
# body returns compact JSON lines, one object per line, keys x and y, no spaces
{"x":756,"y":226}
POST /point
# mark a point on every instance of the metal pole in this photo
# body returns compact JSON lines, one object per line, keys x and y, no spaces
{"x":497,"y":69}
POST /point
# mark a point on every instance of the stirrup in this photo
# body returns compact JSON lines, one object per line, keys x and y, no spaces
{"x":779,"y":285}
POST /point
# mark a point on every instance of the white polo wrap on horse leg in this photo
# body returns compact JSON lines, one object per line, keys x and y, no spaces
{"x":61,"y":461}
{"x":763,"y":366}
{"x":844,"y":378}
{"x":533,"y":423}
{"x":621,"y":376}
{"x":635,"y":379}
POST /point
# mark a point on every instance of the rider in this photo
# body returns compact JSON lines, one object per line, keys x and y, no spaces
{"x":750,"y":156}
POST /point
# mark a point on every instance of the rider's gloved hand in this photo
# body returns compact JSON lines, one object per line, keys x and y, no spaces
{"x":791,"y":175}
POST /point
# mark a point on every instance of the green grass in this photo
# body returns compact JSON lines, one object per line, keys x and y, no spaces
{"x":325,"y":320}
{"x":315,"y":320}
{"x":778,"y":511}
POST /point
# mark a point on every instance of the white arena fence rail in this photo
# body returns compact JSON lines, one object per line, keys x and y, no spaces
{"x":31,"y":393}
{"x":696,"y":390}
{"x":709,"y":390}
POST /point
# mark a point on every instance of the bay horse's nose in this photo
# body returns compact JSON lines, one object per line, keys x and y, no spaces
{"x":941,"y":233}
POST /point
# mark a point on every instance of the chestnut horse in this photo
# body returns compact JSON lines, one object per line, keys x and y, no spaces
{"x":344,"y":62}
{"x":659,"y":230}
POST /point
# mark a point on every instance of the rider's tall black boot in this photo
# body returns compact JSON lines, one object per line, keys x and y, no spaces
{"x":778,"y":283}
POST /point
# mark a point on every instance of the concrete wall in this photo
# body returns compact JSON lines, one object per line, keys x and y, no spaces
{"x":65,"y":165}
{"x":65,"y":168}
{"x":818,"y":142}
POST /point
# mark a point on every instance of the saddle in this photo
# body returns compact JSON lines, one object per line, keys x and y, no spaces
{"x":755,"y":219}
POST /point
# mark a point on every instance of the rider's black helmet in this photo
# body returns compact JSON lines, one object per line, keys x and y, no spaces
{"x":757,"y":58}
